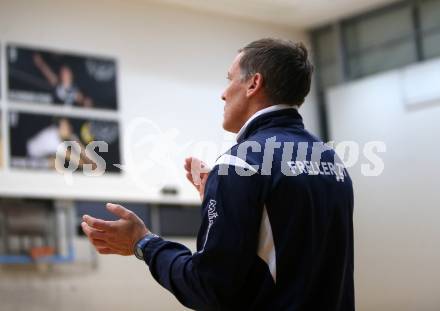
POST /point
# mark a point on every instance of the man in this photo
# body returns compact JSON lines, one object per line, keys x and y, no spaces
{"x":277,"y":231}
{"x":64,"y":89}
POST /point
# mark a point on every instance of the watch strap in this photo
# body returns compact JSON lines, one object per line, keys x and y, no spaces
{"x":142,"y":243}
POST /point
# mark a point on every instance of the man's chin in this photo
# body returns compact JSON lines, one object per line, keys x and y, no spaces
{"x":230,"y":129}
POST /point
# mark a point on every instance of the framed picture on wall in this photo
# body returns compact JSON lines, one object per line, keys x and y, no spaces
{"x":49,"y":77}
{"x":1,"y":68}
{"x":36,"y":138}
{"x":2,"y":149}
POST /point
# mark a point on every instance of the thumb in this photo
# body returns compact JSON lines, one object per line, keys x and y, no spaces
{"x":119,"y":210}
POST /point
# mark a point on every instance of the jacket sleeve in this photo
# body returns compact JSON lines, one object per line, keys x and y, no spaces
{"x":226,"y":245}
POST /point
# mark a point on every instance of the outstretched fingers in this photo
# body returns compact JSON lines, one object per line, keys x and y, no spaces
{"x":119,"y":211}
{"x":99,"y":224}
{"x":93,"y":233}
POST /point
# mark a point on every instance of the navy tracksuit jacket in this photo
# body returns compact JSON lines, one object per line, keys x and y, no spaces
{"x":277,"y":229}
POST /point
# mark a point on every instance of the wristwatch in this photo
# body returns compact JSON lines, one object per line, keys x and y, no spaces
{"x":140,"y":245}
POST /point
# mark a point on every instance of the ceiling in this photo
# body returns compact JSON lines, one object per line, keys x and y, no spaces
{"x":293,"y":13}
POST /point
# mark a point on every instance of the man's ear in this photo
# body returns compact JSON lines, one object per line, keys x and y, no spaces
{"x":254,"y":85}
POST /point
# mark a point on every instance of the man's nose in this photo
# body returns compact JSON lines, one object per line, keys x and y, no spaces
{"x":223,"y":97}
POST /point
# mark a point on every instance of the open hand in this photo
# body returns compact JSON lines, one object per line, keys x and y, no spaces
{"x":115,"y":237}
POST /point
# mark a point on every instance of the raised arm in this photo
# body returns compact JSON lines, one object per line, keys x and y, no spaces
{"x":44,"y":68}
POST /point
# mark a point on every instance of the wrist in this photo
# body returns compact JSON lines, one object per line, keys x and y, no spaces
{"x":139,"y":235}
{"x":139,"y":247}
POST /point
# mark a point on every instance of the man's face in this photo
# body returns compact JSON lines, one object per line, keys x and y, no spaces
{"x":236,"y":102}
{"x":66,"y":76}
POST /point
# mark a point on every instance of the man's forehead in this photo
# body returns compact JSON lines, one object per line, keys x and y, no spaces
{"x":236,"y":63}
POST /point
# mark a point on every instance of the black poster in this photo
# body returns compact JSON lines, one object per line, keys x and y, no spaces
{"x":1,"y":142}
{"x":48,"y":77}
{"x":35,"y":139}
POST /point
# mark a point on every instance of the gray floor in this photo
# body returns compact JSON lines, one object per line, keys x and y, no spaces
{"x":116,"y":283}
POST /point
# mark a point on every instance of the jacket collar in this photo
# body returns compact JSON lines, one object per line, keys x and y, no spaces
{"x":265,"y":116}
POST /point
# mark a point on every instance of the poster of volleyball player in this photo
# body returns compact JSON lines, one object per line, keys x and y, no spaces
{"x":49,"y":77}
{"x":35,"y":139}
{"x":1,"y":142}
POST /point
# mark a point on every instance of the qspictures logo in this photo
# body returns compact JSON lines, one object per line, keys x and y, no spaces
{"x":153,"y":156}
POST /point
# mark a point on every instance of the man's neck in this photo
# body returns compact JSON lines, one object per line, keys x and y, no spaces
{"x":262,"y":111}
{"x":255,"y":108}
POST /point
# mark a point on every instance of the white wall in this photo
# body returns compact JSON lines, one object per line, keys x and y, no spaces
{"x":172,"y":69}
{"x":397,"y":228}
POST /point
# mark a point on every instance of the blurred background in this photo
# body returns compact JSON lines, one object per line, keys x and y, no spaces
{"x":145,"y":77}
